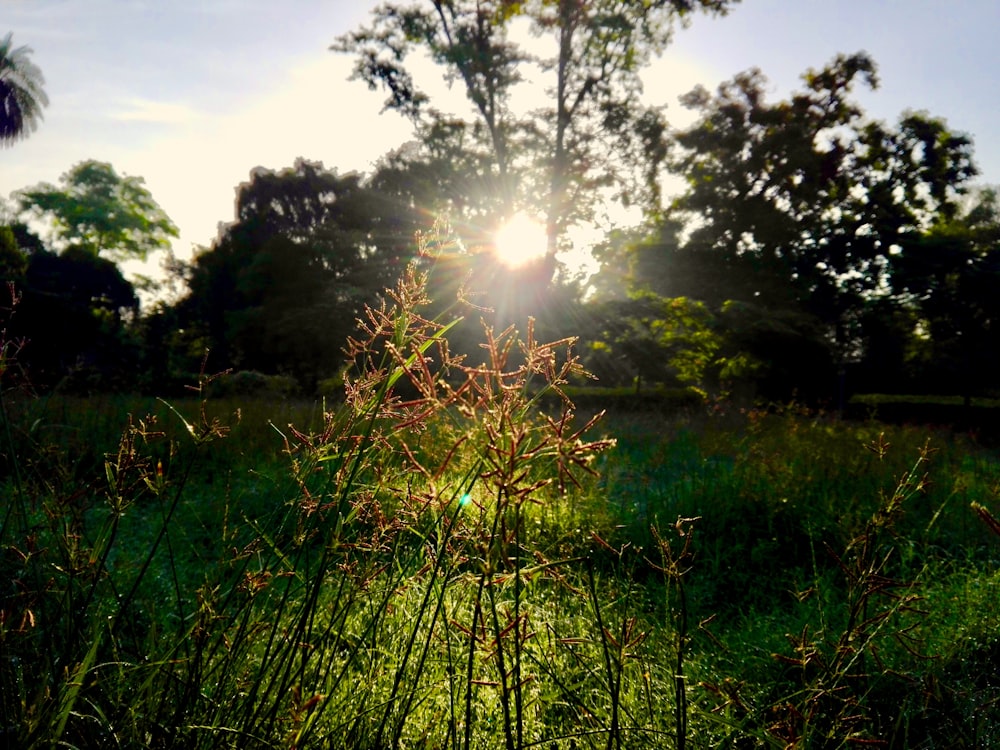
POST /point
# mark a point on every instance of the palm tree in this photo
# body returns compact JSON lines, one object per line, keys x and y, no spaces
{"x":21,"y":94}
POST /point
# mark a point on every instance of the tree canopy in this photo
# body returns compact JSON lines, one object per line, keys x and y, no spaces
{"x":74,"y":313}
{"x":555,"y":158}
{"x":810,"y":243}
{"x":949,"y":278}
{"x":812,"y":185}
{"x":809,"y":195}
{"x":281,"y":287}
{"x":98,"y":211}
{"x":797,"y":218}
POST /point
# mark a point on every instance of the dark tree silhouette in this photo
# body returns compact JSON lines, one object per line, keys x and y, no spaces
{"x":281,"y":287}
{"x":73,"y":316}
{"x":794,"y":216}
{"x":948,"y":280}
{"x":800,"y":206}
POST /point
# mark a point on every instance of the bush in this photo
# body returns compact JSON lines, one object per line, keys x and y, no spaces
{"x":331,"y":389}
{"x":625,"y":399}
{"x":981,"y":415}
{"x":254,"y":384}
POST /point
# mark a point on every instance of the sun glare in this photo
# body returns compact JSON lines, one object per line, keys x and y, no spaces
{"x":520,"y":240}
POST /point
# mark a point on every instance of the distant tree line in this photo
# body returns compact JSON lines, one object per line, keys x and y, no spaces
{"x":813,"y":251}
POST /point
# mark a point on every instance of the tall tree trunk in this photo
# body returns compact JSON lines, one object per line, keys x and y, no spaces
{"x":560,"y":165}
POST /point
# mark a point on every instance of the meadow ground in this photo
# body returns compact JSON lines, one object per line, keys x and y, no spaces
{"x":257,"y":574}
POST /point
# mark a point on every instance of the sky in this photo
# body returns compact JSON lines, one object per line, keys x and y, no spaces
{"x":191,"y":95}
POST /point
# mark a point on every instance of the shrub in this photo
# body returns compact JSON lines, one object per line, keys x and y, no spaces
{"x":250,"y":383}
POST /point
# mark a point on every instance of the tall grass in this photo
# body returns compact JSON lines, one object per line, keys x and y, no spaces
{"x":836,"y":570}
{"x":397,"y":591}
{"x":438,"y":562}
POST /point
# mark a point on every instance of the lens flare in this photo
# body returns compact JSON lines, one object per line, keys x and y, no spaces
{"x":520,"y":240}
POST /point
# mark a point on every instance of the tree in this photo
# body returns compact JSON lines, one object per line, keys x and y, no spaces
{"x":809,"y":192}
{"x":280,"y":289}
{"x":697,"y":316}
{"x":13,"y":261}
{"x":98,"y":212}
{"x":648,"y":338}
{"x":27,"y":240}
{"x":78,"y":311}
{"x":948,"y":278}
{"x":559,"y":158}
{"x":74,"y":314}
{"x":21,"y":94}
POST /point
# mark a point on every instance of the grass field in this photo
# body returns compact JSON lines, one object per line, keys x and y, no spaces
{"x":829,"y":583}
{"x":457,"y":569}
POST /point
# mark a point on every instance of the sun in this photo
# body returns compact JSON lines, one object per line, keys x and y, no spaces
{"x":520,"y":240}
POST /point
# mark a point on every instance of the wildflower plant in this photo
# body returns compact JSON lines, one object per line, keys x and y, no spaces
{"x":440,"y":462}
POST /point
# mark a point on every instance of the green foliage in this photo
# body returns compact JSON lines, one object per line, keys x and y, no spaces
{"x":776,"y":179}
{"x":97,"y":211}
{"x":804,"y":205}
{"x":21,"y":94}
{"x":12,"y":261}
{"x":625,"y":399}
{"x":449,"y":614}
{"x":824,"y":248}
{"x":976,"y":416}
{"x":439,"y":561}
{"x":182,"y":619}
{"x":878,"y":399}
{"x":947,"y":277}
{"x":660,"y":340}
{"x":793,"y":517}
